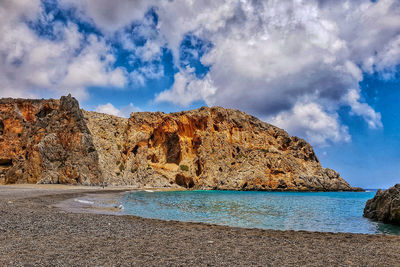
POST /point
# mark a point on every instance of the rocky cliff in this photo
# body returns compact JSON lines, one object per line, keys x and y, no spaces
{"x":207,"y":148}
{"x":46,"y":141}
{"x":385,"y":206}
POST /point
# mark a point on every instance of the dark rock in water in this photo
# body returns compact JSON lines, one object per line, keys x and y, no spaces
{"x":385,"y":206}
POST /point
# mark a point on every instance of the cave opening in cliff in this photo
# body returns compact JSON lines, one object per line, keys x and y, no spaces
{"x":6,"y":163}
{"x":44,"y":112}
{"x":1,"y":127}
{"x":184,"y":181}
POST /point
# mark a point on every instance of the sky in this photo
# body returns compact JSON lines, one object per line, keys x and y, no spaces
{"x":324,"y":70}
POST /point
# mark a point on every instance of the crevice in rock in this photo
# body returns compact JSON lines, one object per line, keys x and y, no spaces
{"x":244,"y":185}
{"x":199,"y":169}
{"x":1,"y":127}
{"x":135,"y":150}
{"x":196,"y":142}
{"x":150,"y":141}
{"x":173,"y":148}
{"x":153,"y":158}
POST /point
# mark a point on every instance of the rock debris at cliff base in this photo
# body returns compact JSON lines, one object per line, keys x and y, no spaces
{"x":53,"y":141}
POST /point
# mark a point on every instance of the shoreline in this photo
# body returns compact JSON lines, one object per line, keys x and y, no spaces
{"x":35,"y":231}
{"x":127,"y":187}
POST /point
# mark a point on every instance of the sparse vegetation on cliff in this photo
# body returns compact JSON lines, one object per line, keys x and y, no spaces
{"x":184,"y":168}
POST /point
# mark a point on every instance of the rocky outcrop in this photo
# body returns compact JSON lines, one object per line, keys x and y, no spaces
{"x":385,"y":206}
{"x":207,"y":148}
{"x":46,"y":141}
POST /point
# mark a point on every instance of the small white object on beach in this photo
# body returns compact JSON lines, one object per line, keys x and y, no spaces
{"x":83,"y":201}
{"x":150,"y":191}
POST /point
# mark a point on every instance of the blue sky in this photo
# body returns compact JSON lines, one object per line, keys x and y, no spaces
{"x":327,"y":71}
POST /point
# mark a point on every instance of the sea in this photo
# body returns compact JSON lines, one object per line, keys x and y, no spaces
{"x":309,"y":211}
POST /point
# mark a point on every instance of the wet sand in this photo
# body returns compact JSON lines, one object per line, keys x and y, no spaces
{"x":36,"y":231}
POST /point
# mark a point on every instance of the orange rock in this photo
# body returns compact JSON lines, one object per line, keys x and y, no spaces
{"x":214,"y":148}
{"x":46,"y":141}
{"x":52,"y":141}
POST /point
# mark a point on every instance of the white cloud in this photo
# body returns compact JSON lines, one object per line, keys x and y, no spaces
{"x":109,"y":15}
{"x":312,"y":122}
{"x":108,"y":109}
{"x":268,"y":56}
{"x":91,"y":70}
{"x":34,"y":66}
{"x":187,"y":89}
{"x":148,"y":54}
{"x":361,"y":109}
{"x":125,"y":111}
{"x":368,"y":28}
{"x":388,"y":59}
{"x":281,"y":60}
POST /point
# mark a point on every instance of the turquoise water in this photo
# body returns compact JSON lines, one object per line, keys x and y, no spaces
{"x":311,"y":211}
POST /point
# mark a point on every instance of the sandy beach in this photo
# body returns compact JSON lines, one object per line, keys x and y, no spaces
{"x":36,"y":231}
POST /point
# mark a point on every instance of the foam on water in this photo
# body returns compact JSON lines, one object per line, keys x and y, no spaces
{"x":83,"y":201}
{"x":311,"y":211}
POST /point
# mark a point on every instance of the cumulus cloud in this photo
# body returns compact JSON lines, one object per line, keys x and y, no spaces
{"x":108,"y":15}
{"x":146,"y":57}
{"x":280,"y":60}
{"x":124,"y":111}
{"x":268,"y":56}
{"x":108,"y":109}
{"x":31,"y":65}
{"x":187,"y":88}
{"x":361,"y":109}
{"x":312,"y":122}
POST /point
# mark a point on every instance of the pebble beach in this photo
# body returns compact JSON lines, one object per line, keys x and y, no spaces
{"x":36,"y":231}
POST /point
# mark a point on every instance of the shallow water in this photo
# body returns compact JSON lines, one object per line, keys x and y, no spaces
{"x":311,"y":211}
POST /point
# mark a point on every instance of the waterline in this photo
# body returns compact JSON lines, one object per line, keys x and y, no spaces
{"x":310,"y":211}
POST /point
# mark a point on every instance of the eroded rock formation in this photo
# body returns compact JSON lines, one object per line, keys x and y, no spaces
{"x":46,"y":141}
{"x":207,"y":148}
{"x":385,"y":206}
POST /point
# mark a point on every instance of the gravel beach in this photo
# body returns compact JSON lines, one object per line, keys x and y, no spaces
{"x":35,"y":232}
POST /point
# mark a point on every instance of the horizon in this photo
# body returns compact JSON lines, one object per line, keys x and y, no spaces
{"x":325,"y":71}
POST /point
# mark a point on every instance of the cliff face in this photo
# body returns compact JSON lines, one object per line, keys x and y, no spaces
{"x":207,"y":148}
{"x":45,"y":141}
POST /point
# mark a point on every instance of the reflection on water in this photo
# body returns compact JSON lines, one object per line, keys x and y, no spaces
{"x":322,"y":211}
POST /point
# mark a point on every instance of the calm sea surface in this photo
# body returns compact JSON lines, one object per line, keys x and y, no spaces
{"x":325,"y":211}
